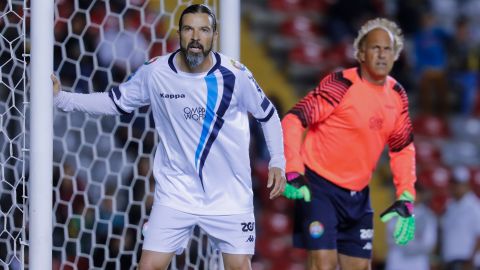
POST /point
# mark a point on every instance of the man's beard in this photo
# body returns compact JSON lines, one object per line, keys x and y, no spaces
{"x":195,"y":59}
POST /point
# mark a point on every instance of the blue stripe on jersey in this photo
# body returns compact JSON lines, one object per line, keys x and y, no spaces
{"x":228,"y":86}
{"x":110,"y":94}
{"x":170,"y":61}
{"x":265,"y":103}
{"x":117,"y":92}
{"x":212,"y":93}
{"x":217,"y":63}
{"x":270,"y":113}
{"x":216,"y":128}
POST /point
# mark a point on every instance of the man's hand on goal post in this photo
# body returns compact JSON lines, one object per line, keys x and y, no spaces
{"x":56,"y":84}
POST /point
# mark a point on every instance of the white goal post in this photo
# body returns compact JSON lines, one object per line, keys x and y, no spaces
{"x":101,"y":182}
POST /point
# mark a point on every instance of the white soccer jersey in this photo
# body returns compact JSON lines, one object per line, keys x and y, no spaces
{"x":202,"y":160}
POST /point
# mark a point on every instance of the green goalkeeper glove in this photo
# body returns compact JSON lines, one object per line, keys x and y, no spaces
{"x":297,"y":188}
{"x":403,"y":210}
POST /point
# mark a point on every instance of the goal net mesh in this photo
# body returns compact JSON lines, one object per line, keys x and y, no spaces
{"x":12,"y":134}
{"x":102,"y":175}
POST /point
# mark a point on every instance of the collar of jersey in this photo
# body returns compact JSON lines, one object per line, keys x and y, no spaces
{"x":370,"y":84}
{"x":218,"y":61}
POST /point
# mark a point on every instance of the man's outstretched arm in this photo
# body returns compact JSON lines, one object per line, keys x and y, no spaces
{"x":95,"y":103}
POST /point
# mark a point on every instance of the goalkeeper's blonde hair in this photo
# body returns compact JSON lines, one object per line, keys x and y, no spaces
{"x":382,"y":23}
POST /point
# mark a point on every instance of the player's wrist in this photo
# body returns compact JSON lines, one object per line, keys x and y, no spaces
{"x":406,"y":196}
{"x":292,"y":175}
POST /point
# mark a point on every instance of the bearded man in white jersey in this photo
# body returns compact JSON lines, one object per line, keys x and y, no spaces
{"x":200,"y":101}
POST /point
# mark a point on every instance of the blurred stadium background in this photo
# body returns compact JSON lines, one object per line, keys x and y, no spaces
{"x":102,"y":182}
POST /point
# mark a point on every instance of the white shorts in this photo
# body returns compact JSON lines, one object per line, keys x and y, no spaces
{"x":169,"y":230}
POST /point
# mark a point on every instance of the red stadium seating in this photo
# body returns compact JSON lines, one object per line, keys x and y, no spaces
{"x":300,"y":26}
{"x":275,"y":223}
{"x":436,"y":177}
{"x":308,"y":53}
{"x":273,"y":248}
{"x":427,"y":152}
{"x":475,"y":181}
{"x":438,"y":202}
{"x":286,"y":5}
{"x":430,"y":126}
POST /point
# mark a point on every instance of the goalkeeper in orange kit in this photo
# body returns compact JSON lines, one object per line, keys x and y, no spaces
{"x":349,"y":118}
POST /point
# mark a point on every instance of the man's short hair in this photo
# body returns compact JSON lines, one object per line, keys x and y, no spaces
{"x":198,"y":8}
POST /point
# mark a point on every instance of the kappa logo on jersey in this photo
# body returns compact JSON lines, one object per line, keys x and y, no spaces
{"x":250,"y":239}
{"x":194,"y":113}
{"x":172,"y":96}
{"x":366,"y":234}
{"x":237,"y":64}
{"x":248,"y":226}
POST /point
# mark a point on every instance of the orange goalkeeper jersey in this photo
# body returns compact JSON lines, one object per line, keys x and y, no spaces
{"x":350,"y":121}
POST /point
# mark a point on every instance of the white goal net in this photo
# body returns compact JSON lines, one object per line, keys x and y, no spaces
{"x":13,"y":209}
{"x":102,"y":176}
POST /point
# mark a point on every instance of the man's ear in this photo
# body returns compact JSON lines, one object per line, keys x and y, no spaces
{"x":361,"y":56}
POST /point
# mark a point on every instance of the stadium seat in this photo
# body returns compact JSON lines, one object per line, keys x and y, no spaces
{"x":317,"y":6}
{"x":465,"y":128}
{"x":307,"y":61}
{"x":286,"y":264}
{"x":298,"y":255}
{"x":275,"y":223}
{"x":475,"y":181}
{"x":438,"y":202}
{"x":309,"y":52}
{"x":273,"y":248}
{"x":280,"y":205}
{"x":292,"y":30}
{"x":286,"y":5}
{"x":460,"y":152}
{"x":427,"y":152}
{"x":435,"y":177}
{"x":430,"y":126}
{"x":300,"y":26}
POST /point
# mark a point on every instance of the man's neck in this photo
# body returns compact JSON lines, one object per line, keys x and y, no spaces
{"x":203,"y":67}
{"x":372,"y":79}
